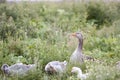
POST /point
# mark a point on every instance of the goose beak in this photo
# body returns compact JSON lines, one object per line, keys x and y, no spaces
{"x":73,"y":34}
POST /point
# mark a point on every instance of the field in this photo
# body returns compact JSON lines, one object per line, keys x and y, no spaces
{"x":40,"y":32}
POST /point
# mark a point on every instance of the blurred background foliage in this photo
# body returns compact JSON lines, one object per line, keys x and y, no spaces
{"x":40,"y":32}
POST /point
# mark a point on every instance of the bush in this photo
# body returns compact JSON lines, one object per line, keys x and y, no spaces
{"x":102,"y":12}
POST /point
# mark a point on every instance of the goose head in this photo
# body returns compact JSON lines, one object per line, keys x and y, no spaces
{"x":79,"y":36}
{"x":4,"y":68}
{"x":79,"y":73}
{"x":64,"y":64}
{"x":76,"y":70}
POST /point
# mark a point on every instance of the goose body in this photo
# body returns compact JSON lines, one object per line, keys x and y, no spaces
{"x":77,"y":57}
{"x":55,"y":67}
{"x":17,"y":69}
{"x":118,"y":65}
{"x":79,"y":73}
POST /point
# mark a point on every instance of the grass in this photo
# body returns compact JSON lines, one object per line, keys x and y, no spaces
{"x":40,"y":33}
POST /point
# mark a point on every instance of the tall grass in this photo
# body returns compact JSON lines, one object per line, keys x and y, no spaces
{"x":40,"y":33}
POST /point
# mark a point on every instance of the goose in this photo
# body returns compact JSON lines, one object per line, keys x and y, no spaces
{"x":55,"y":67}
{"x":79,"y":73}
{"x":118,"y":65}
{"x":77,"y":56}
{"x":19,"y":68}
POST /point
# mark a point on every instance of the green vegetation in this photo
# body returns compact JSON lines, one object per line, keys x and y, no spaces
{"x":39,"y":33}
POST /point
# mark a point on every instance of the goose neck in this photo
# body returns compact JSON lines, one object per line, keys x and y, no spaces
{"x":80,"y":45}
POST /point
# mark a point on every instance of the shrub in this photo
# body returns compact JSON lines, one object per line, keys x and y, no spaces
{"x":102,"y":12}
